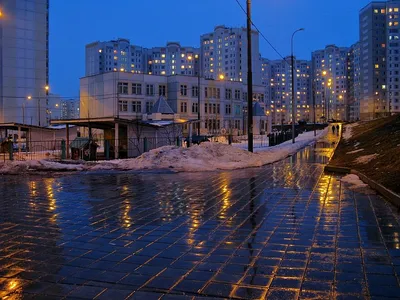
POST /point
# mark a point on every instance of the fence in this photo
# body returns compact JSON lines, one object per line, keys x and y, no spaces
{"x":32,"y":150}
{"x":104,"y":149}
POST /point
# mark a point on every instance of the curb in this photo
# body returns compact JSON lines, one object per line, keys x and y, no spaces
{"x":389,"y":195}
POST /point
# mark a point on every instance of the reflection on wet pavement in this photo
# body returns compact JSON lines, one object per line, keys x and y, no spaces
{"x":283,"y":231}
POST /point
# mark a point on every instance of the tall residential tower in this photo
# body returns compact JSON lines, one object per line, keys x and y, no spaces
{"x":24,"y":61}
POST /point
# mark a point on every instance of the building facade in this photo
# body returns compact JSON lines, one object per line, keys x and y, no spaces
{"x":60,"y":108}
{"x":119,"y":55}
{"x":24,"y":61}
{"x":353,"y":83}
{"x":280,"y":103}
{"x":223,"y":104}
{"x":329,"y":72}
{"x":224,"y":54}
{"x":393,"y":55}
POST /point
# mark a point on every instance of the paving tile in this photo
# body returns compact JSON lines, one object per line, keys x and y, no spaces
{"x":245,"y":234}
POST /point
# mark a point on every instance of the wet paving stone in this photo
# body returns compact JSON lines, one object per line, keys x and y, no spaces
{"x":282,"y":231}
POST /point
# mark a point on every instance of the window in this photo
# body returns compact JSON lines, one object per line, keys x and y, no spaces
{"x":136,"y":106}
{"x":206,"y":92}
{"x":228,"y":109}
{"x":205,"y":108}
{"x":237,"y":124}
{"x":162,"y":90}
{"x":195,"y":91}
{"x":136,"y":88}
{"x":214,"y":108}
{"x":238,"y":110}
{"x":150,"y":90}
{"x":228,"y":94}
{"x":149,"y":106}
{"x":237,"y":94}
{"x":218,"y":108}
{"x":123,"y":88}
{"x":183,"y":90}
{"x":195,"y":108}
{"x":183,"y":107}
{"x":123,"y":105}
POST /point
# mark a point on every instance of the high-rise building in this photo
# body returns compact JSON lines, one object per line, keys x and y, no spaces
{"x":62,"y":109}
{"x":224,"y":54}
{"x":329,"y":72}
{"x":280,"y":102}
{"x":393,"y":55}
{"x":24,"y":61}
{"x":373,"y":48}
{"x":121,"y":56}
{"x":353,"y":83}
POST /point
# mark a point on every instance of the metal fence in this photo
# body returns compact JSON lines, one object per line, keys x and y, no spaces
{"x":105,"y":149}
{"x":32,"y":150}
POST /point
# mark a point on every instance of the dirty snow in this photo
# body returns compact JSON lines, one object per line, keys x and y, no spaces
{"x":203,"y":157}
{"x":355,"y":151}
{"x":348,"y":131}
{"x":365,"y":159}
{"x":356,"y":184}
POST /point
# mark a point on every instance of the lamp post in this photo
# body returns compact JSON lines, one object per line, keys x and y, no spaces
{"x":293,"y":102}
{"x":249,"y":81}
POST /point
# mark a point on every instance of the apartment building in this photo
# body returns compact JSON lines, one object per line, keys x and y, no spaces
{"x":119,"y":55}
{"x":24,"y":61}
{"x":280,"y":102}
{"x":329,"y":72}
{"x":224,"y":54}
{"x":353,"y":82}
{"x":223,"y":103}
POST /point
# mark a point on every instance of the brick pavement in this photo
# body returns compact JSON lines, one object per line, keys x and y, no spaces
{"x":283,"y":231}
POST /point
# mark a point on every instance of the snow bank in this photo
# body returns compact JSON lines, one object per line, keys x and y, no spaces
{"x":204,"y":157}
{"x":210,"y":156}
{"x":365,"y":159}
{"x":355,"y":184}
{"x":17,"y":167}
{"x":348,"y":131}
{"x":355,"y":151}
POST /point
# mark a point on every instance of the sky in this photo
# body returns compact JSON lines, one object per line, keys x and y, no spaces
{"x":151,"y":23}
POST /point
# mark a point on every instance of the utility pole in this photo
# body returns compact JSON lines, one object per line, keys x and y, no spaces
{"x":293,"y":96}
{"x":198,"y":95}
{"x":313,"y":103}
{"x":249,"y":81}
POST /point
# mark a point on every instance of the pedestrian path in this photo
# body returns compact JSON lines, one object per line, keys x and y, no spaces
{"x":283,"y":231}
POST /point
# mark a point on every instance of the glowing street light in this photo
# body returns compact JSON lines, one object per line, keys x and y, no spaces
{"x":221,"y":77}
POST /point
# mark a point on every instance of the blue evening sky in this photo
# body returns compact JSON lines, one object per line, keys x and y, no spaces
{"x":150,"y":23}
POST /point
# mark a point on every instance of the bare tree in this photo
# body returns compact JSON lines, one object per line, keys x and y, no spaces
{"x":171,"y":132}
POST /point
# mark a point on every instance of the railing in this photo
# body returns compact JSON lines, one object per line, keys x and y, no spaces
{"x":32,"y":150}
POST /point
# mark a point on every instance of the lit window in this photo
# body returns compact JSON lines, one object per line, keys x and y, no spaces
{"x":182,"y":55}
{"x":396,"y":9}
{"x":383,"y":11}
{"x":100,"y":50}
{"x":162,"y":55}
{"x":183,"y":66}
{"x":162,"y":72}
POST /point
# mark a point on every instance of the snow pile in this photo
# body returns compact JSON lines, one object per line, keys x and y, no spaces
{"x":356,"y":184}
{"x":355,"y":151}
{"x":365,"y":159}
{"x":348,"y":131}
{"x":204,"y":157}
{"x":209,"y":156}
{"x":17,"y":167}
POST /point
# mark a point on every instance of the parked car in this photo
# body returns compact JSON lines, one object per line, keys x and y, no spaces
{"x":198,"y":139}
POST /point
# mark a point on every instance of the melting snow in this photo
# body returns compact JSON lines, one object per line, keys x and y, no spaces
{"x":207,"y":156}
{"x":356,"y":184}
{"x":355,"y":151}
{"x":365,"y":159}
{"x":348,"y":131}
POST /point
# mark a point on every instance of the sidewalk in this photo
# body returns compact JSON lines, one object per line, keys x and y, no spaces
{"x":283,"y":231}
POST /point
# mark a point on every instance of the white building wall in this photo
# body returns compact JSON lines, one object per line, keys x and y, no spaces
{"x":24,"y":61}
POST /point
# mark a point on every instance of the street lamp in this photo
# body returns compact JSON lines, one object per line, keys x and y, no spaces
{"x":293,"y":102}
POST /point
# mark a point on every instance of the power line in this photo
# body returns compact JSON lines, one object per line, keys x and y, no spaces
{"x":261,"y":34}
